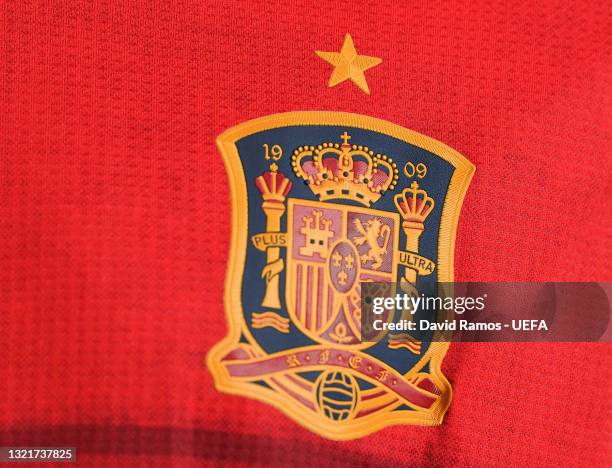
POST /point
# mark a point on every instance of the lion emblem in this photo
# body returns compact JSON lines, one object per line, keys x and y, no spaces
{"x":370,"y":232}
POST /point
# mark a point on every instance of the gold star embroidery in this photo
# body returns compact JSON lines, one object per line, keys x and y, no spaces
{"x":348,"y":65}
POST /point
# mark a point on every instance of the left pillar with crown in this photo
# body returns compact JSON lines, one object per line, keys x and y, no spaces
{"x":274,"y":188}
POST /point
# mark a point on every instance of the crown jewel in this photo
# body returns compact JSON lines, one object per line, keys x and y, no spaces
{"x":351,"y":172}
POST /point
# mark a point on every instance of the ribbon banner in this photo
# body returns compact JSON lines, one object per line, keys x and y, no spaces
{"x":313,"y":357}
{"x":269,"y":239}
{"x":412,"y":260}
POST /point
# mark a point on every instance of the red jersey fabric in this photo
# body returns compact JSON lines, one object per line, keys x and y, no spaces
{"x":115,"y":224}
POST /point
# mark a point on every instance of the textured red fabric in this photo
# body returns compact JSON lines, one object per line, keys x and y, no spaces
{"x":114,"y":215}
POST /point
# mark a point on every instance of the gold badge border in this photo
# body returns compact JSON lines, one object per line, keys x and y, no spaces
{"x":226,"y":143}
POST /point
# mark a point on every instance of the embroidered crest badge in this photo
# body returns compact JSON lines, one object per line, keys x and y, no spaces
{"x":323,"y":202}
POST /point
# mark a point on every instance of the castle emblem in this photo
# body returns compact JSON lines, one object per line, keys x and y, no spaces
{"x":324,"y":203}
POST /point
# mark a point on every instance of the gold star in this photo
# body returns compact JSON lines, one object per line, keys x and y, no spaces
{"x":348,"y":65}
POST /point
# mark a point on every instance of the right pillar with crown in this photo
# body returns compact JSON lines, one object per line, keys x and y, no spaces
{"x":414,"y":205}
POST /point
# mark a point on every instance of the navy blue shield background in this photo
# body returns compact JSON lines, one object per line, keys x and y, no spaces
{"x":251,"y":152}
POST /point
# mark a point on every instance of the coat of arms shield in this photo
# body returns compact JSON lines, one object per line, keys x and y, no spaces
{"x":331,"y":250}
{"x":323,"y":203}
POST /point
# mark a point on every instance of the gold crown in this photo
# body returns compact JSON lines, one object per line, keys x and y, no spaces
{"x":414,"y":205}
{"x":273,"y":185}
{"x":346,"y":171}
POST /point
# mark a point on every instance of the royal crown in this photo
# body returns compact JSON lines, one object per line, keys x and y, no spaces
{"x":351,"y":172}
{"x":273,"y":185}
{"x":414,"y":206}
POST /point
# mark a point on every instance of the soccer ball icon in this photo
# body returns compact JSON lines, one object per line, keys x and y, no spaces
{"x":337,"y":395}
